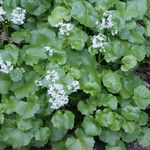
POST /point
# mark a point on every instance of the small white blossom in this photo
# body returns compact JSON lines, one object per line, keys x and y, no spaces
{"x":106,"y":21}
{"x":53,"y":76}
{"x":38,"y":83}
{"x":114,"y":31}
{"x":59,"y":102}
{"x":18,"y":16}
{"x":99,"y":41}
{"x":65,"y":28}
{"x":5,"y":66}
{"x":2,"y":12}
{"x":49,"y":50}
{"x":1,"y":1}
{"x":74,"y":86}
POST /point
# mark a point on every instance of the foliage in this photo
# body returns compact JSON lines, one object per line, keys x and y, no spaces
{"x":67,"y":73}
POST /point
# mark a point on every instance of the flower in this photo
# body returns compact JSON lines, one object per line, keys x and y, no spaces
{"x":1,"y":1}
{"x":5,"y":66}
{"x":18,"y":16}
{"x":58,"y":96}
{"x":52,"y":76}
{"x":49,"y":50}
{"x":107,"y":22}
{"x":114,"y":31}
{"x":38,"y":83}
{"x":2,"y":12}
{"x":74,"y":86}
{"x":65,"y":28}
{"x":99,"y":41}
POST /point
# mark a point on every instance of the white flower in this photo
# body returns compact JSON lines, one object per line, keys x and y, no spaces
{"x":2,"y":12}
{"x":99,"y":41}
{"x":114,"y":31}
{"x":52,"y":76}
{"x":74,"y":86}
{"x":65,"y":28}
{"x":18,"y":16}
{"x":58,"y":96}
{"x":38,"y":83}
{"x":106,"y":22}
{"x":1,"y":1}
{"x":5,"y":66}
{"x":49,"y":50}
{"x":59,"y":102}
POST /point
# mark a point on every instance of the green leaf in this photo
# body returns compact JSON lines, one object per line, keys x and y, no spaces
{"x":58,"y":145}
{"x":24,"y":124}
{"x":44,"y":37}
{"x":144,"y":138}
{"x":81,"y":143}
{"x":17,"y":74}
{"x":11,"y":53}
{"x":142,"y":97}
{"x":131,"y":113}
{"x":24,"y":89}
{"x":91,"y":126}
{"x":20,"y":36}
{"x":108,"y":100}
{"x":112,"y":82}
{"x":34,"y":54}
{"x":129,"y":62}
{"x":59,"y":14}
{"x":103,"y":4}
{"x":9,"y":104}
{"x":137,"y":51}
{"x":1,"y":119}
{"x":16,"y":137}
{"x":42,"y":134}
{"x":147,"y":23}
{"x":135,"y":9}
{"x":87,"y":16}
{"x":5,"y":84}
{"x":105,"y":118}
{"x":110,"y":137}
{"x":63,"y":119}
{"x":86,"y":107}
{"x":35,"y":7}
{"x":126,"y":137}
{"x":119,"y":146}
{"x":57,"y":133}
{"x":27,"y":109}
{"x":129,"y":127}
{"x":77,"y":39}
{"x":143,"y":119}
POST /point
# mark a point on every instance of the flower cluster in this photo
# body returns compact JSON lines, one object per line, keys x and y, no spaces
{"x":5,"y":66}
{"x":56,"y":92}
{"x":65,"y":28}
{"x":99,"y":41}
{"x":58,"y":96}
{"x":74,"y":86}
{"x":49,"y":50}
{"x":52,"y":76}
{"x":18,"y":16}
{"x":107,"y":23}
{"x":2,"y":12}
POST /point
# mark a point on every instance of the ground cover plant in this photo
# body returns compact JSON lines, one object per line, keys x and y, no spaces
{"x":67,"y":73}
